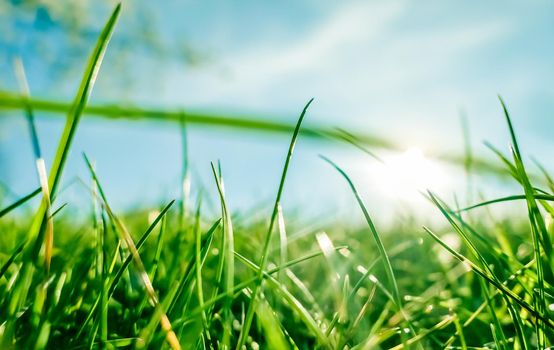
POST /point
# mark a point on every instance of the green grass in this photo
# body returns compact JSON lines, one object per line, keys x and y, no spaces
{"x":183,"y":279}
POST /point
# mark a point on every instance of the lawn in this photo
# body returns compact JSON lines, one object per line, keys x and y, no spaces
{"x":175,"y":277}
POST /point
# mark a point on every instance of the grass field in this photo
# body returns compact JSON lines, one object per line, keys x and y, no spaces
{"x":172,"y":277}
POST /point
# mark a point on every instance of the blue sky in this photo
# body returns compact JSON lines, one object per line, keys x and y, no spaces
{"x":401,"y":70}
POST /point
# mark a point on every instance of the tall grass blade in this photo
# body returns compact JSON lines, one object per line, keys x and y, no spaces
{"x":40,"y":226}
{"x":543,"y":197}
{"x":198,"y":268}
{"x":499,"y":286}
{"x":380,"y":246}
{"x":171,"y":338}
{"x":240,"y":286}
{"x":228,"y":258}
{"x":10,"y":101}
{"x":293,"y":302}
{"x":40,"y":165}
{"x":19,"y":202}
{"x":265,"y":249}
{"x":538,"y":228}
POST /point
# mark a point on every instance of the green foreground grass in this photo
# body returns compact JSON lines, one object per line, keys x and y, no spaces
{"x":172,"y":278}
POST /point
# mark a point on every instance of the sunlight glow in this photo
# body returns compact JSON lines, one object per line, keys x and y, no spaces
{"x":405,"y":175}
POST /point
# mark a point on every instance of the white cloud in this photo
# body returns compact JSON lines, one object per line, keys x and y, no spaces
{"x":350,"y":26}
{"x":359,"y":45}
{"x":360,"y":58}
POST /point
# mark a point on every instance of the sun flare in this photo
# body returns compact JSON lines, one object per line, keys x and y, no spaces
{"x":407,"y":173}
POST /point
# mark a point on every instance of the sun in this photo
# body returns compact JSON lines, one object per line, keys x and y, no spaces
{"x":405,"y":174}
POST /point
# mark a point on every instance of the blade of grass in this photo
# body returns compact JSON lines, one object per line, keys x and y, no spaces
{"x":358,"y":319}
{"x":186,"y":276}
{"x":159,"y":247}
{"x":265,"y":249}
{"x":366,"y":275}
{"x":380,"y":246}
{"x":468,"y":157}
{"x":376,"y":334}
{"x":293,"y":303}
{"x":198,"y":268}
{"x":545,"y":174}
{"x":544,"y":197}
{"x":154,"y":265}
{"x":171,"y":338}
{"x":10,"y":101}
{"x":499,"y":286}
{"x":11,"y":259}
{"x":185,"y":171}
{"x":336,"y":271}
{"x":496,"y":326}
{"x":40,"y":226}
{"x":74,"y":115}
{"x":538,"y":228}
{"x":228,"y":258}
{"x":463,"y":235}
{"x":26,"y":95}
{"x":126,"y":262}
{"x":99,"y":229}
{"x":483,"y":305}
{"x":240,"y":286}
{"x":272,"y":328}
{"x":460,"y":332}
{"x":40,"y":166}
{"x":19,"y":202}
{"x":354,"y":141}
{"x":416,"y":339}
{"x":283,"y":241}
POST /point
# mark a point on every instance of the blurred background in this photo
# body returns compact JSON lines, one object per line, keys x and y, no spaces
{"x":411,"y":73}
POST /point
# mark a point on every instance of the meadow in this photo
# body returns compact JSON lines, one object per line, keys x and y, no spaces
{"x":171,"y":277}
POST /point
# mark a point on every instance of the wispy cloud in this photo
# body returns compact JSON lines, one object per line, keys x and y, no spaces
{"x":365,"y":47}
{"x":347,"y":28}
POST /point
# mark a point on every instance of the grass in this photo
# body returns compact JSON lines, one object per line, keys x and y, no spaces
{"x":173,"y":277}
